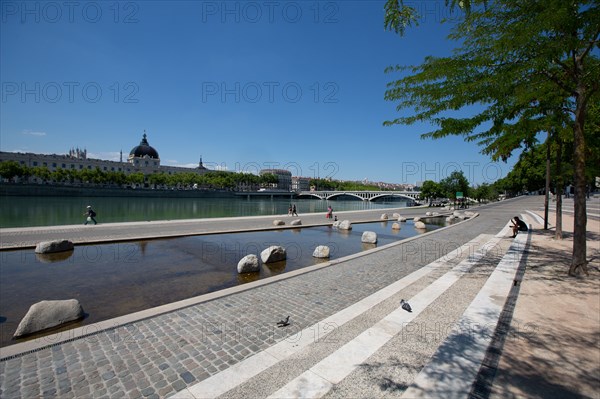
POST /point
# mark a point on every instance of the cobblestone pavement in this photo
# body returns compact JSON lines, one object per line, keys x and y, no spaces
{"x":161,"y":355}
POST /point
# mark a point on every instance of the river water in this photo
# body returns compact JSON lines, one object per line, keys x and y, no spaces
{"x":51,"y":211}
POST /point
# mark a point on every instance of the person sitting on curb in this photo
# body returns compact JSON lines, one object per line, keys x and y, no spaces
{"x":518,"y":225}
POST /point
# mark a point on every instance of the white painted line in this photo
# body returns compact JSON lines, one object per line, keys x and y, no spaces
{"x":233,"y":376}
{"x":342,"y":362}
{"x":337,"y":366}
{"x":537,"y":218}
{"x":220,"y":383}
{"x":506,"y":230}
{"x":454,"y":367}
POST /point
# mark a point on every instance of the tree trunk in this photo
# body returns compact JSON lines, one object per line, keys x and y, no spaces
{"x":579,"y":262}
{"x":547,"y":196}
{"x":560,"y":188}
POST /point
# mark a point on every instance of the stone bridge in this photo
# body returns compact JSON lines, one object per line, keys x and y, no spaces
{"x":363,"y":195}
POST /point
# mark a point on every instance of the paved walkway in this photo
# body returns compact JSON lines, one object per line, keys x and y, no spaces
{"x":552,"y":347}
{"x":181,"y":348}
{"x":12,"y":238}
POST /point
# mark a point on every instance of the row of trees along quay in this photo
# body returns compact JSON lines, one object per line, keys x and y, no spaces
{"x":458,"y":183}
{"x":527,"y":71}
{"x":222,"y":180}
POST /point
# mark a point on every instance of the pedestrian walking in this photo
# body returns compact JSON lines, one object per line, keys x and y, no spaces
{"x":329,"y":213}
{"x":91,"y":215}
{"x":294,"y":213}
{"x":290,"y":210}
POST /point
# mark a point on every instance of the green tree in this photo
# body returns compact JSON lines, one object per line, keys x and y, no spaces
{"x":98,"y":176}
{"x":11,"y":169}
{"x":484,"y":191}
{"x":268,"y":179}
{"x":59,"y":175}
{"x":529,"y":172}
{"x":41,"y":172}
{"x":512,"y":55}
{"x":158,"y":178}
{"x":135,"y":178}
{"x":118,"y":178}
{"x":431,"y":190}
{"x":455,"y":183}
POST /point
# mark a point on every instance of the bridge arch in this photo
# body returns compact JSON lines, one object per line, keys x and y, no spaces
{"x":391,"y":195}
{"x":362,"y":195}
{"x":309,"y":195}
{"x":347,"y":194}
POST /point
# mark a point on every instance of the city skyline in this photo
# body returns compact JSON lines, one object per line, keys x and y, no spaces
{"x":245,"y":85}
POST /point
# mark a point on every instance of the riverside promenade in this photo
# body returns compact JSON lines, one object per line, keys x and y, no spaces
{"x":348,"y":336}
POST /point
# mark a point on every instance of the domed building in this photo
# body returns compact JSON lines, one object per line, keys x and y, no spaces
{"x":144,"y":155}
{"x":142,"y":158}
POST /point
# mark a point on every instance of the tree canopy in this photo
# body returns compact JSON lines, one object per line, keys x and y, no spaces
{"x":520,"y":68}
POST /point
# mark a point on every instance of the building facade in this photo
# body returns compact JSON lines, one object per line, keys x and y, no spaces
{"x":284,"y":178}
{"x":142,"y":158}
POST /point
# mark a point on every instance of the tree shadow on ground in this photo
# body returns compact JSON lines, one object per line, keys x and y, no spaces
{"x":556,"y":355}
{"x":552,"y":359}
{"x":388,"y":384}
{"x":544,"y":369}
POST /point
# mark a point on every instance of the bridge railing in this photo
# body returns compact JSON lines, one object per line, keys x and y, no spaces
{"x":364,"y":195}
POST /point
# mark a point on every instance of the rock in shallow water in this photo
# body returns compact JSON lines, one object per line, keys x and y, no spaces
{"x":48,"y":247}
{"x":48,"y":314}
{"x":248,"y":264}
{"x":274,"y":253}
{"x":369,"y":237}
{"x":322,"y":251}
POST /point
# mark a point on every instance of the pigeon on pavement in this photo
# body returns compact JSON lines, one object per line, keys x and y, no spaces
{"x":405,"y":305}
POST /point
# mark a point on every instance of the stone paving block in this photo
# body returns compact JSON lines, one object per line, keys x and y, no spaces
{"x":111,"y":382}
{"x":156,"y":378}
{"x":178,"y":385}
{"x":146,"y":392}
{"x":82,"y":391}
{"x":134,"y":394}
{"x":172,"y":378}
{"x":28,"y":392}
{"x":166,"y":391}
{"x":114,"y":390}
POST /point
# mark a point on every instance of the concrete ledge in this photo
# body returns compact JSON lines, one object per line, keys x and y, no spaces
{"x":112,"y":235}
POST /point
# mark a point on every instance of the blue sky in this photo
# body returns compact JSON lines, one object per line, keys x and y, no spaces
{"x":246,"y":85}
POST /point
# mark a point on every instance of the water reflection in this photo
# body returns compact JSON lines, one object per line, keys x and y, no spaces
{"x":274,"y":268}
{"x":365,"y":246}
{"x":54,"y":257}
